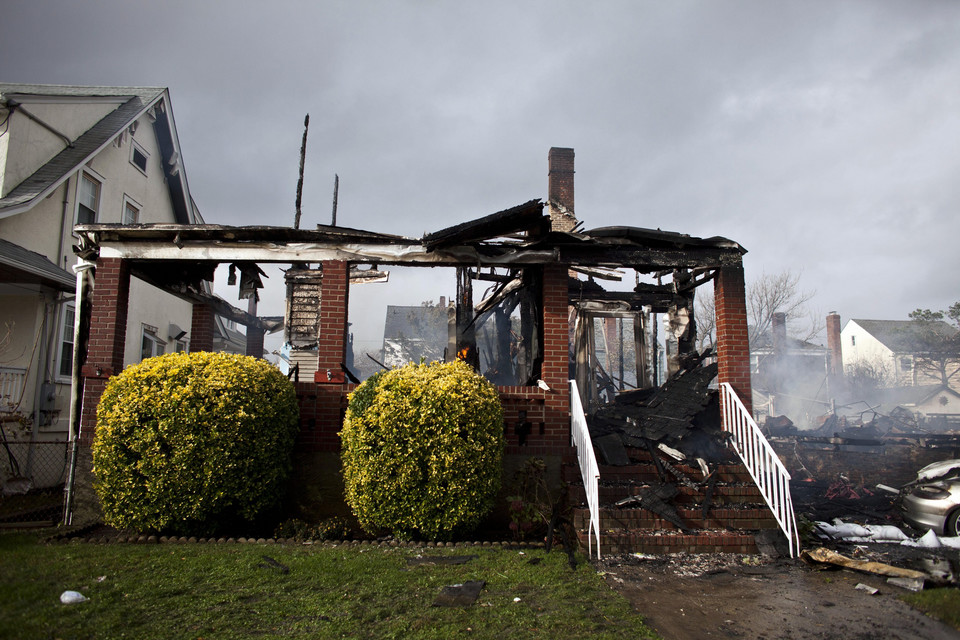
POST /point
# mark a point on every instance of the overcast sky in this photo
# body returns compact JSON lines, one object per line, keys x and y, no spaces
{"x":824,"y":137}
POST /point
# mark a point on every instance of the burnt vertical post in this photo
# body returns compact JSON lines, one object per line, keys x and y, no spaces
{"x":466,"y":330}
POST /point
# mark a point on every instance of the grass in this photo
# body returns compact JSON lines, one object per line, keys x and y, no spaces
{"x":231,"y":591}
{"x":942,"y":604}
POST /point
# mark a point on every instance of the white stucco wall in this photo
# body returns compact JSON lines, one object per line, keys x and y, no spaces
{"x":39,"y":230}
{"x":861,"y":347}
{"x":30,"y":145}
{"x":151,"y":306}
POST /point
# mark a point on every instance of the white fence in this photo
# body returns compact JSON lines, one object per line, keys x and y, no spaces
{"x":11,"y":387}
{"x":588,"y":466}
{"x":769,"y":474}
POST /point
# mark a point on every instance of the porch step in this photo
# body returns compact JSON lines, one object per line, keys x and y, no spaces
{"x":661,"y":542}
{"x":611,"y":519}
{"x":737,"y":510}
{"x":646,"y":471}
{"x":722,"y":494}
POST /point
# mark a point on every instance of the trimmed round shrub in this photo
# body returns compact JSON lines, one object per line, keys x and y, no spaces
{"x":422,"y":450}
{"x":193,"y":443}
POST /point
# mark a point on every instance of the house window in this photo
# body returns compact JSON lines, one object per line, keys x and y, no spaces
{"x":853,"y":341}
{"x":138,"y":157}
{"x":131,"y":211}
{"x":65,"y":369}
{"x":151,"y":345}
{"x":906,"y":365}
{"x":88,"y":199}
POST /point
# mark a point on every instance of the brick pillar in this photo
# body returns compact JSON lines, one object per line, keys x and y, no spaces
{"x":108,"y":334}
{"x":202,"y":328}
{"x":556,"y":363}
{"x":560,"y":189}
{"x":254,"y":342}
{"x":331,"y":387}
{"x":733,"y":344}
{"x":334,"y":292}
{"x":834,"y":345}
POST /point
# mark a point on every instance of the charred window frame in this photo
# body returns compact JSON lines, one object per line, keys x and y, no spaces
{"x":501,"y":335}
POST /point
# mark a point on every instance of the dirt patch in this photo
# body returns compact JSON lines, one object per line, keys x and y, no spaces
{"x":734,"y":596}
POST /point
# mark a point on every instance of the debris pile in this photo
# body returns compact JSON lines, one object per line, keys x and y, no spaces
{"x":676,"y":425}
{"x":683,"y":415}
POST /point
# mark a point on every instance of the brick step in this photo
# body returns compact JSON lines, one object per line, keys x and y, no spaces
{"x":646,"y":471}
{"x":722,"y":494}
{"x":666,"y":542}
{"x":750,"y":518}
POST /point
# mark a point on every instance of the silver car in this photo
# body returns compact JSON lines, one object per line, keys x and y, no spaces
{"x":932,"y":501}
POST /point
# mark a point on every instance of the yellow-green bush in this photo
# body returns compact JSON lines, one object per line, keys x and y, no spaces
{"x":422,"y":450}
{"x":193,"y":443}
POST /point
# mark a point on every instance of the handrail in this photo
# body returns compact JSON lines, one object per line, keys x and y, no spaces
{"x":589,"y":470}
{"x":768,"y":473}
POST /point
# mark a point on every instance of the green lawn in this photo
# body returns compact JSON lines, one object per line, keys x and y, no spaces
{"x":942,"y":604}
{"x":233,"y":591}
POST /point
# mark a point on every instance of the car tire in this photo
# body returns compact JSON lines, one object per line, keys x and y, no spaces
{"x":951,"y":527}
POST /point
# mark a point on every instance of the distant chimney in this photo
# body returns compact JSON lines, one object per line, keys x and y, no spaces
{"x":779,"y":332}
{"x":560,"y":188}
{"x":835,"y":365}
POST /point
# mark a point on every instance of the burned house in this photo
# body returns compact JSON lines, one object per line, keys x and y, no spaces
{"x":545,"y":318}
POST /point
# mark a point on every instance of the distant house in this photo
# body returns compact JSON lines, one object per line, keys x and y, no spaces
{"x":889,"y":350}
{"x":412,"y":333}
{"x":788,"y":375}
{"x":933,"y":404}
{"x":78,"y":155}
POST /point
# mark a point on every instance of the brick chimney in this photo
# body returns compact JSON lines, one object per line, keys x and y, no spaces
{"x":835,"y":366}
{"x":560,"y":188}
{"x":778,"y":333}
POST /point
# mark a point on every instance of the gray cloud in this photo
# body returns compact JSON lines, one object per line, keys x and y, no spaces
{"x":820,"y":136}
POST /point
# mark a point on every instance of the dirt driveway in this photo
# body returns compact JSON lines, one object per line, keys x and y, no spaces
{"x":720,"y":596}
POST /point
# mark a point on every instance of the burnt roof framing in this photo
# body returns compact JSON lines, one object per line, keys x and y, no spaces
{"x":514,"y":237}
{"x":646,"y":251}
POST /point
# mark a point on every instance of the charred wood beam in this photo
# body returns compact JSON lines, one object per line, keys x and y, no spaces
{"x":527,"y":216}
{"x":493,"y":277}
{"x":645,"y":259}
{"x":660,"y":302}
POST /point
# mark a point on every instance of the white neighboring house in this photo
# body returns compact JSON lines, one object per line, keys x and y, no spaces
{"x":888,"y":347}
{"x":68,"y":155}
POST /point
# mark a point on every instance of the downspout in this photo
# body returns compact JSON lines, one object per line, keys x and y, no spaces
{"x":63,"y":219}
{"x":81,"y":269}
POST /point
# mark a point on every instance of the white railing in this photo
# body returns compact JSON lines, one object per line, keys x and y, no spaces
{"x":11,"y":387}
{"x":769,"y":474}
{"x":588,"y":465}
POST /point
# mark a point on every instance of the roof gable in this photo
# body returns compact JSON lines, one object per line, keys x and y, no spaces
{"x":902,"y":336}
{"x":83,"y":148}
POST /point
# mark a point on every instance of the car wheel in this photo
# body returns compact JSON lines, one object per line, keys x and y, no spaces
{"x":952,"y":525}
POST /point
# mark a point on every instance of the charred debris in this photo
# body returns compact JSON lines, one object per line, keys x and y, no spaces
{"x":676,"y":428}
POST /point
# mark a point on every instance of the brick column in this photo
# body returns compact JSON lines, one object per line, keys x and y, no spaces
{"x":330,"y":385}
{"x":334,"y":291}
{"x":556,"y":363}
{"x":733,"y":344}
{"x":108,"y":334}
{"x":560,"y":189}
{"x":202,"y":328}
{"x":254,"y":342}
